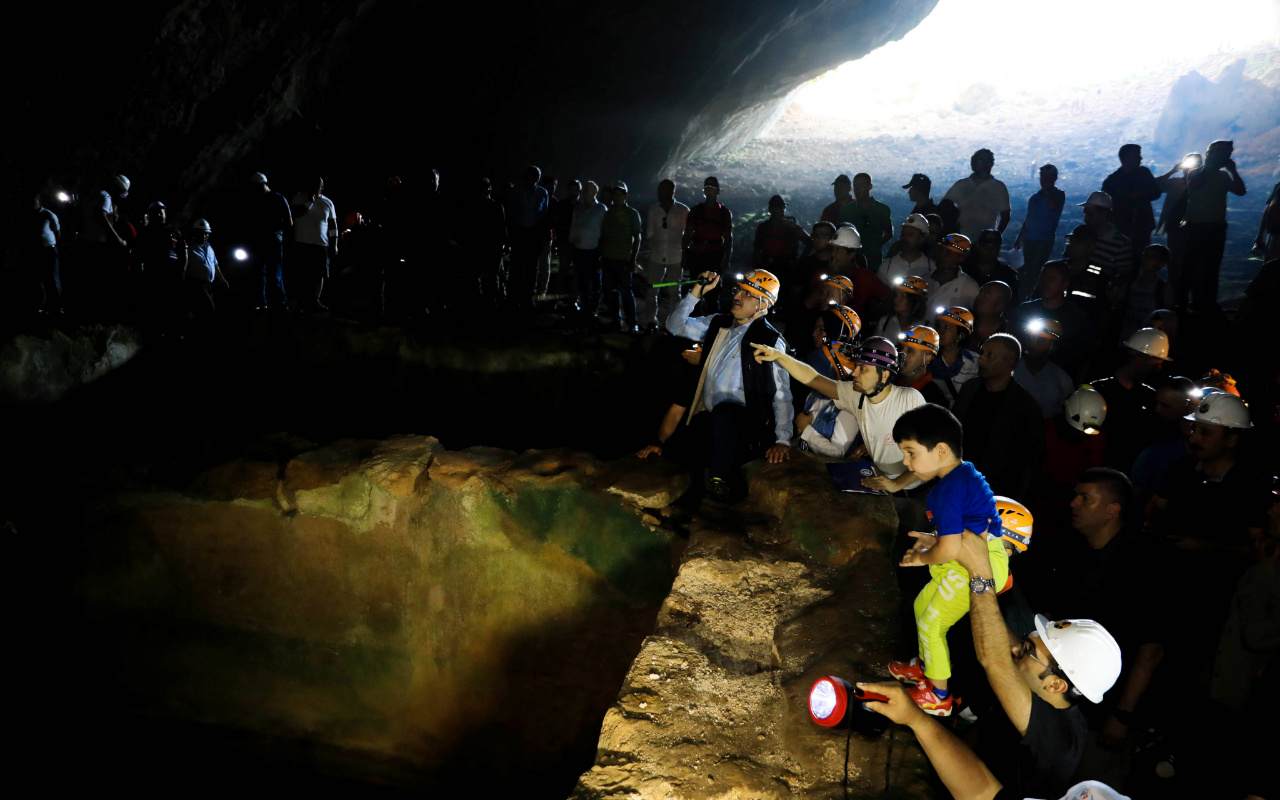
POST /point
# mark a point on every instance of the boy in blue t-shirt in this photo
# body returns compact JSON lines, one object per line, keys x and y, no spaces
{"x":930,"y":438}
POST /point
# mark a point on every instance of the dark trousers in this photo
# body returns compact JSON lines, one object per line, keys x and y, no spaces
{"x":587,"y":263}
{"x":1202,"y":258}
{"x":44,"y":261}
{"x":270,"y":253}
{"x":526,"y":248}
{"x":729,"y":448}
{"x":616,"y":288}
{"x":1034,"y":255}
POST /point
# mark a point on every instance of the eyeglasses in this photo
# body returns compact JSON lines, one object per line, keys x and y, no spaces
{"x":1028,"y":650}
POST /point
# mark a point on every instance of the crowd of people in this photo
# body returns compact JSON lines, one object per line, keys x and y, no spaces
{"x":988,"y":395}
{"x":988,"y":403}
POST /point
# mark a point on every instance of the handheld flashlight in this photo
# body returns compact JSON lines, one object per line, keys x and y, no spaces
{"x":829,"y":703}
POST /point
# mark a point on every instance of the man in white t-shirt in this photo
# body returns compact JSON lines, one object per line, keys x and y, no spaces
{"x":664,"y":234}
{"x":868,"y":390}
{"x":910,"y":258}
{"x":980,"y":198}
{"x":315,"y":238}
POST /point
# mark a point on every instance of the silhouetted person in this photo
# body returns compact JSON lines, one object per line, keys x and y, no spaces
{"x":986,"y":265}
{"x":842,"y":188}
{"x":269,"y":218}
{"x":162,"y":255}
{"x":584,"y":236}
{"x":395,"y":254}
{"x":98,"y":245}
{"x":40,"y":245}
{"x":527,"y":208}
{"x":565,"y":278}
{"x":1044,"y":380}
{"x":1146,"y":292}
{"x":779,"y":241}
{"x":202,"y":272}
{"x":1003,"y":425}
{"x":1267,"y":243}
{"x":619,"y":245}
{"x":1040,"y":228}
{"x":1174,"y":209}
{"x":315,"y":239}
{"x":1112,"y":250}
{"x":1131,"y":423}
{"x":980,"y":199}
{"x":482,"y":234}
{"x":918,"y":191}
{"x":989,"y":309}
{"x":550,"y":183}
{"x":1132,"y":189}
{"x":872,"y":219}
{"x":1053,"y":303}
{"x":664,"y":233}
{"x":708,"y":237}
{"x":1206,"y":224}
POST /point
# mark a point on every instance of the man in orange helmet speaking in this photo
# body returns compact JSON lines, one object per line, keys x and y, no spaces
{"x":748,"y":405}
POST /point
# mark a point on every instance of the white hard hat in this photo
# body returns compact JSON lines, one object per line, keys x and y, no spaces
{"x":847,"y":236}
{"x":258,"y":178}
{"x":1150,"y":341}
{"x":1086,"y":409}
{"x":1220,"y":408}
{"x":201,"y":225}
{"x":121,"y":184}
{"x":1084,"y":651}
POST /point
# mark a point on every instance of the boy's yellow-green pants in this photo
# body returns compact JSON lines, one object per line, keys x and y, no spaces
{"x":941,"y":604}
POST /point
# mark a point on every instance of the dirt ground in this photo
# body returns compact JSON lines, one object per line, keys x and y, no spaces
{"x":1079,"y":132}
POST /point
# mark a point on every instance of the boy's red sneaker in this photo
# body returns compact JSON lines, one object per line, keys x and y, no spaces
{"x":929,"y":702}
{"x":907,"y":671}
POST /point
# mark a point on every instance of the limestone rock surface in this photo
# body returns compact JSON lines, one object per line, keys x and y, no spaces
{"x":39,"y":368}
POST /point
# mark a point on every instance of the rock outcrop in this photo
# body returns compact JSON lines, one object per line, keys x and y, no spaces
{"x":41,"y":367}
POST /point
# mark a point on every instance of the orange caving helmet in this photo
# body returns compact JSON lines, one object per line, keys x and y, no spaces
{"x":842,"y":353}
{"x":1219,"y":380}
{"x":1045,"y":329}
{"x":956,"y":315}
{"x":352,"y":219}
{"x":761,"y":283}
{"x":852,"y":322}
{"x":914,"y":284}
{"x":956,"y":243}
{"x":920,"y":337}
{"x":839,"y":280}
{"x":1015,"y":522}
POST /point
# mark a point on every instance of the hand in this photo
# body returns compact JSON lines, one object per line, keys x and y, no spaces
{"x":694,"y":357}
{"x":860,"y":451}
{"x":899,"y":708}
{"x":778,"y":453}
{"x":914,"y":556}
{"x":766,"y":353}
{"x":649,"y":450}
{"x":879,"y":483}
{"x":803,"y":421}
{"x":712,"y":279}
{"x":1113,"y":734}
{"x":121,"y":242}
{"x":1231,"y":164}
{"x":974,"y":556}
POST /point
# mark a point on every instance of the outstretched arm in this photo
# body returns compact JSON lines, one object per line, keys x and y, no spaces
{"x":797,"y":369}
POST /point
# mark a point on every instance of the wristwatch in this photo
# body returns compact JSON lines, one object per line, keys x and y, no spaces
{"x":981,"y":585}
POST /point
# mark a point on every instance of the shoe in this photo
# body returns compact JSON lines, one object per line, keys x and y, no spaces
{"x":929,"y":702}
{"x":907,"y":671}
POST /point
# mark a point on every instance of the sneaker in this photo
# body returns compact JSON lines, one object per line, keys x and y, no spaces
{"x":929,"y":702}
{"x":907,"y":671}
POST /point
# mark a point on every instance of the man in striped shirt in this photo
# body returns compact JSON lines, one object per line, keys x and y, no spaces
{"x":1112,"y":250}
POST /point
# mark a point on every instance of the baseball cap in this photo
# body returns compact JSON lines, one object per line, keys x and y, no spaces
{"x":841,"y":179}
{"x":1097,"y":199}
{"x":258,"y":178}
{"x":918,"y":179}
{"x":916,"y":221}
{"x":1082,"y":232}
{"x":777,"y":200}
{"x":711,"y":181}
{"x":622,"y":185}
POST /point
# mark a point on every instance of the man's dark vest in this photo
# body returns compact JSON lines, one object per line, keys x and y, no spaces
{"x":757,"y":379}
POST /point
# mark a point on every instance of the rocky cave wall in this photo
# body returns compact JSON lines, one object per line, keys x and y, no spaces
{"x":428,"y":613}
{"x":187,"y":97}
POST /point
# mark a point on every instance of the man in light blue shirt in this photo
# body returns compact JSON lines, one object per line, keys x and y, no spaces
{"x":584,"y":235}
{"x":748,"y":403}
